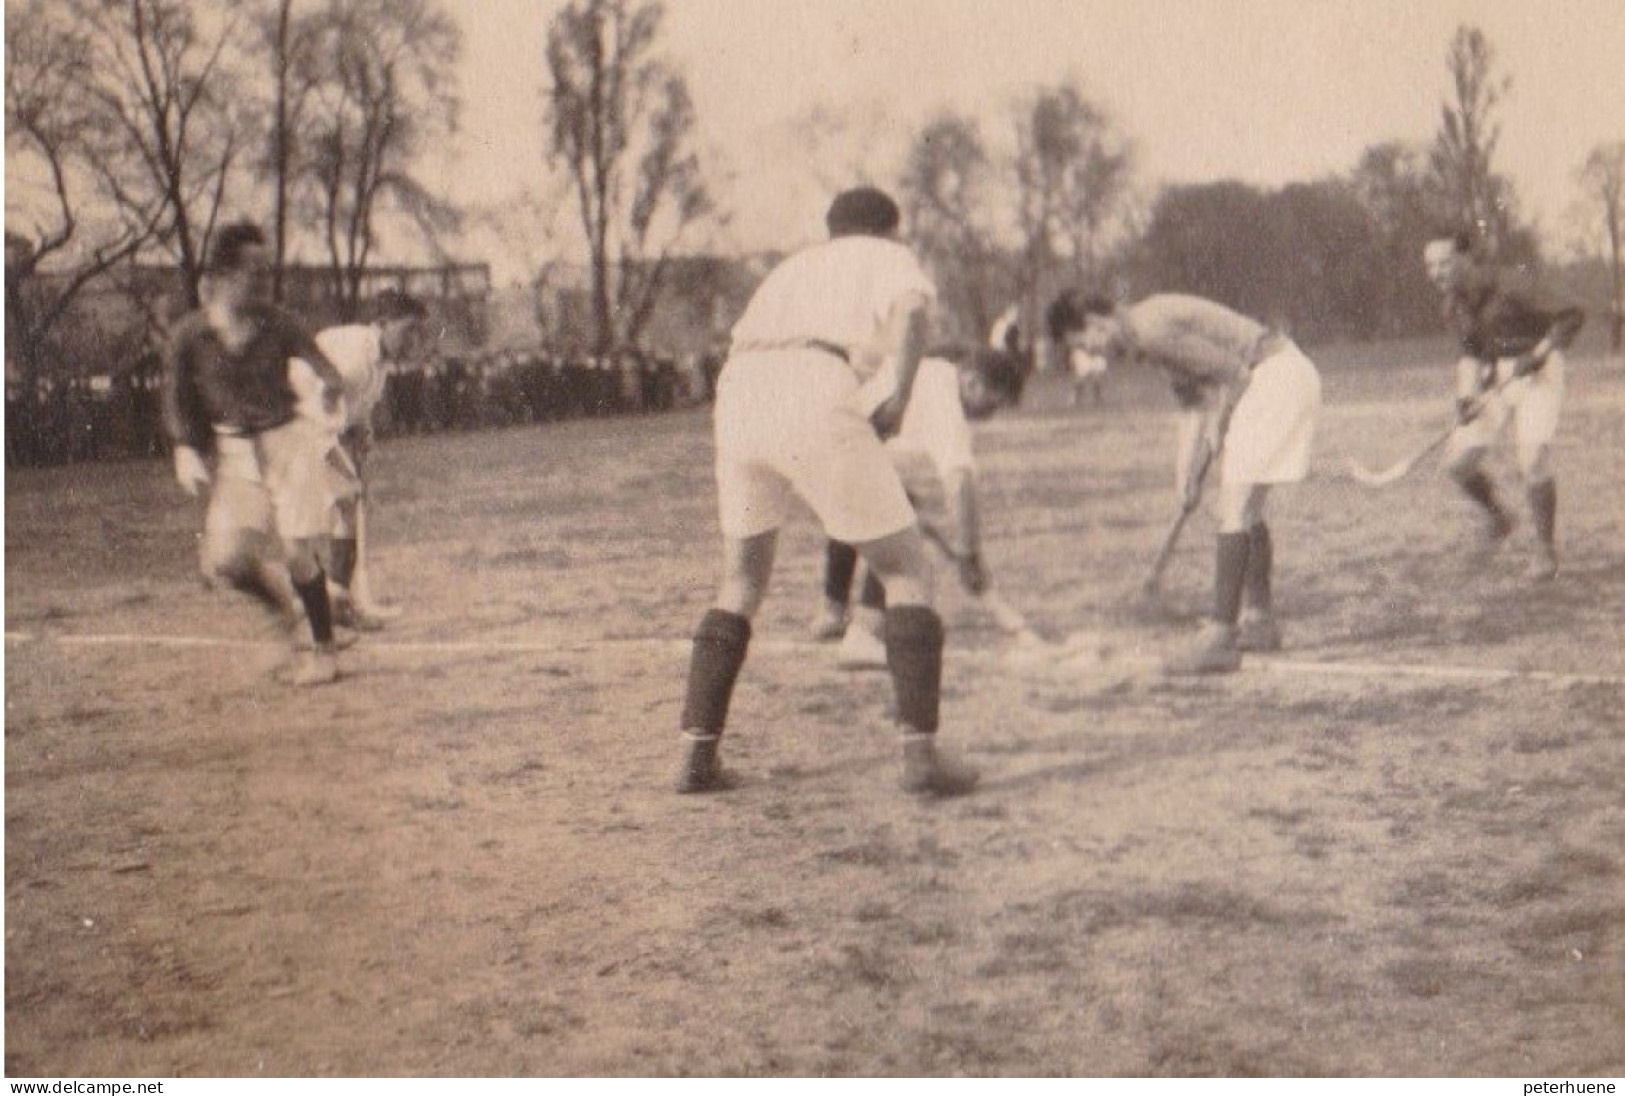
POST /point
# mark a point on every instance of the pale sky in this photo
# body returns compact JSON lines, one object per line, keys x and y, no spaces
{"x":1265,"y":91}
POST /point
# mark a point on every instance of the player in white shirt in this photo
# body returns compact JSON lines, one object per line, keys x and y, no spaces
{"x":788,"y":423}
{"x":362,"y":354}
{"x":948,"y":396}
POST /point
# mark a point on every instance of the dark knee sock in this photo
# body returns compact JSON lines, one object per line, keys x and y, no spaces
{"x":1230,"y":576}
{"x":343,"y":553}
{"x":1543,"y":505}
{"x":1260,"y":562}
{"x":1478,"y":487}
{"x":318,"y":608}
{"x":719,"y":651}
{"x":914,"y":655}
{"x":840,"y":563}
{"x":873,"y":594}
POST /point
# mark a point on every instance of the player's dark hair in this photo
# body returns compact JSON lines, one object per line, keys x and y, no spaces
{"x":392,"y":304}
{"x":862,"y":211}
{"x":1462,"y":241}
{"x":230,"y":244}
{"x":1062,"y":316}
{"x":1098,"y":305}
{"x":1004,"y":372}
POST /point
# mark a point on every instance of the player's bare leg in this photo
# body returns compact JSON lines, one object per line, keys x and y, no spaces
{"x":864,"y":645}
{"x":720,"y":645}
{"x":352,"y":605}
{"x":347,"y":570}
{"x":914,"y":641}
{"x":1217,"y":650}
{"x":247,"y":561}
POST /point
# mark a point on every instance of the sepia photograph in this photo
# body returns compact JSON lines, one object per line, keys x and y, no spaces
{"x":815,"y":539}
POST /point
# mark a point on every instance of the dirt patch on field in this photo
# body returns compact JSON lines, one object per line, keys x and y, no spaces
{"x":465,"y":859}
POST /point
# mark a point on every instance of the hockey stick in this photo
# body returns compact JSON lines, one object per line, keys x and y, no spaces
{"x":1152,"y":586}
{"x":1165,"y":554}
{"x":1401,"y":468}
{"x":361,"y":577}
{"x":1006,"y":616}
{"x":1397,"y":471}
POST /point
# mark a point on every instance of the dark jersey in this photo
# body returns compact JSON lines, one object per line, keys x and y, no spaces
{"x":1494,"y":323}
{"x":247,"y":390}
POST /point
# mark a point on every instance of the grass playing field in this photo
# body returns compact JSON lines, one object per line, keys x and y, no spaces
{"x":1395,"y":849}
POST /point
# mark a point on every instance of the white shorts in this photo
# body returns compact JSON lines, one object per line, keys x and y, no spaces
{"x":1085,"y":365}
{"x":1534,"y":404}
{"x":788,"y":423}
{"x":239,"y":504}
{"x":305,"y":475}
{"x":1272,"y":431}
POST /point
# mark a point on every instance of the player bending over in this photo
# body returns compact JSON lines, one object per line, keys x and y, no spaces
{"x":362,"y":354}
{"x":1252,"y":400}
{"x":949,"y":394}
{"x":1087,"y":369}
{"x":788,"y":423}
{"x":226,"y":389}
{"x":1511,"y":368}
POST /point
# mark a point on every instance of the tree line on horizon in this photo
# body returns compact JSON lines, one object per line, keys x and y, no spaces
{"x":136,"y":127}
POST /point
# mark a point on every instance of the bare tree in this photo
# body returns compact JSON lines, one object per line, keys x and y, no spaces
{"x":371,"y":85}
{"x":1391,"y":182}
{"x":1462,"y":157}
{"x":169,"y":122}
{"x":1072,"y":172}
{"x":622,"y":120}
{"x":1602,"y":179}
{"x":946,"y":195}
{"x":53,"y":249}
{"x":526,"y":230}
{"x":281,"y":166}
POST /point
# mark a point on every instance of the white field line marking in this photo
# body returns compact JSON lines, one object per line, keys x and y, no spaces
{"x":1062,"y":660}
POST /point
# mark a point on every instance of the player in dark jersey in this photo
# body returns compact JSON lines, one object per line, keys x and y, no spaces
{"x":1511,"y":369}
{"x":226,"y":391}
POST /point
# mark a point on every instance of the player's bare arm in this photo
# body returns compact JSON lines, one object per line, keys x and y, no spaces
{"x":187,"y":434}
{"x":902,"y":339}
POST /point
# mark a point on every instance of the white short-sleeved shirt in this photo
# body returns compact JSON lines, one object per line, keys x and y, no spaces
{"x":838,"y":292}
{"x":934,"y":425}
{"x":356,"y":351}
{"x":1085,"y":364}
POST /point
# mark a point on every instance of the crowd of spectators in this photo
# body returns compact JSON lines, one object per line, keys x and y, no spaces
{"x":74,"y":420}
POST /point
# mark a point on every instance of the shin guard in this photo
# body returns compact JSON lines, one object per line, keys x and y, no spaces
{"x":1543,"y":505}
{"x":1259,"y":596}
{"x":1230,"y":576}
{"x":342,"y":561}
{"x":318,"y":607}
{"x":840,"y":564}
{"x":914,"y":639}
{"x":719,"y":652}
